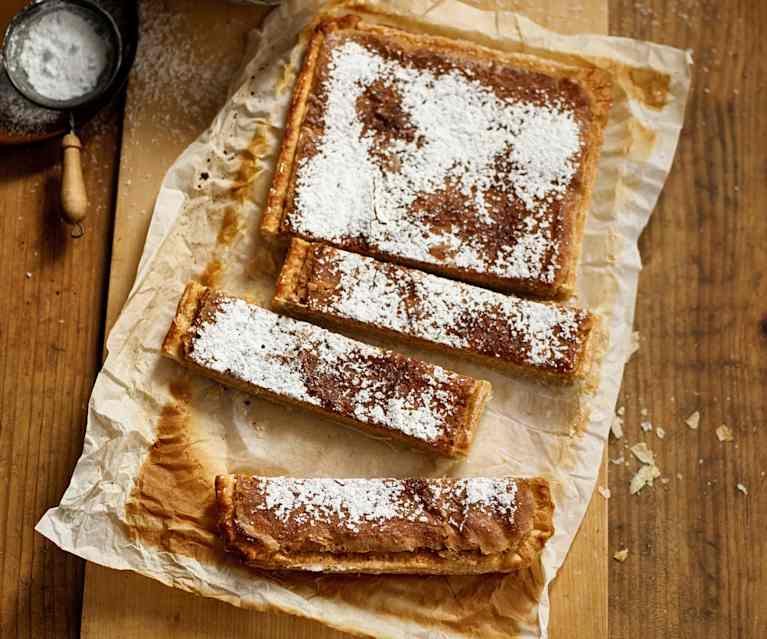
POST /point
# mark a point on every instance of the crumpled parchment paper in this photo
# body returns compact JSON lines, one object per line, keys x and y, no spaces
{"x":141,"y":495}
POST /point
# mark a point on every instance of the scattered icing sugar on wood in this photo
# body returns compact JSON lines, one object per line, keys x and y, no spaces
{"x":352,"y":502}
{"x":306,"y":363}
{"x":463,"y":131}
{"x":447,"y":312}
{"x":175,"y":73}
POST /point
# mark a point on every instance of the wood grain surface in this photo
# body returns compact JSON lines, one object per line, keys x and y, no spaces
{"x":51,"y":331}
{"x":697,"y":564}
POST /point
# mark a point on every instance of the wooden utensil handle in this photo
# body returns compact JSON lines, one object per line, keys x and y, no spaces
{"x":74,"y":200}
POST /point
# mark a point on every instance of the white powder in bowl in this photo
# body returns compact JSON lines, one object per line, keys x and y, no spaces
{"x":62,"y":55}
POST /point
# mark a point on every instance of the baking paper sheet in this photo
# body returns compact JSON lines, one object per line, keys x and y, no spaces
{"x":141,"y":495}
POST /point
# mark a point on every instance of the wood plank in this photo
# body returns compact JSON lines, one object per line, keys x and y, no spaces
{"x":698,"y":554}
{"x":50,"y":347}
{"x":146,"y":607}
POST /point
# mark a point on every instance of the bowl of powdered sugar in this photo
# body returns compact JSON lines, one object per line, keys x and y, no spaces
{"x":62,"y":54}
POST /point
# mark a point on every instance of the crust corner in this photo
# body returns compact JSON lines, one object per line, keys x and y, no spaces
{"x":186,"y":311}
{"x":292,"y":278}
{"x":478,"y":399}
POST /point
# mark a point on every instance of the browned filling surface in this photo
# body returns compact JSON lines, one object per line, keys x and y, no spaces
{"x":384,"y":515}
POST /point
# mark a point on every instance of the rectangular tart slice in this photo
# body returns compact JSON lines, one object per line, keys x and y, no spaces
{"x":255,"y":350}
{"x":441,"y":154}
{"x":545,"y":340}
{"x":420,"y":526}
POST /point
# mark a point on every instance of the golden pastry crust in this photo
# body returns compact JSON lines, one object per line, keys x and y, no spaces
{"x":491,"y":542}
{"x":283,"y":171}
{"x":596,"y":89}
{"x":457,"y":407}
{"x":541,"y":340}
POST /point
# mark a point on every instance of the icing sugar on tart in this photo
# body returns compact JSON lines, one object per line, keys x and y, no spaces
{"x":540,"y":337}
{"x":351,"y":503}
{"x":381,"y":515}
{"x":421,"y":156}
{"x":260,"y":351}
{"x":413,"y":525}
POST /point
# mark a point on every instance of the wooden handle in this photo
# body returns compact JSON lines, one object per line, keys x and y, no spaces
{"x":74,"y":200}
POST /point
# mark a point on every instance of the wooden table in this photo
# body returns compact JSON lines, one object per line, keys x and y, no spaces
{"x":697,"y":562}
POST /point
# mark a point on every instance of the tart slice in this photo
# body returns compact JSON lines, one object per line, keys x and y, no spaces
{"x":544,"y":340}
{"x":290,"y":362}
{"x":420,"y":526}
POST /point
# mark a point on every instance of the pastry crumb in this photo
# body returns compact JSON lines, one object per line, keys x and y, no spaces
{"x":621,"y":411}
{"x":648,"y":472}
{"x":679,"y":476}
{"x":724,"y":434}
{"x":28,"y":275}
{"x":634,"y":346}
{"x":605,"y":492}
{"x":693,"y":421}
{"x":621,"y":555}
{"x":742,"y":488}
{"x":618,"y":460}
{"x":643,"y":412}
{"x":665,"y":480}
{"x":660,"y":432}
{"x":644,"y":477}
{"x":616,"y":428}
{"x":643,"y":453}
{"x":646,"y":426}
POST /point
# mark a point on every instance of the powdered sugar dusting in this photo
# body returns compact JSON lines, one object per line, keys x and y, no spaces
{"x":63,"y":54}
{"x":309,"y":364}
{"x":349,"y":503}
{"x":180,"y":69}
{"x":450,"y":313}
{"x":351,"y":500}
{"x":463,"y":133}
{"x":489,"y":494}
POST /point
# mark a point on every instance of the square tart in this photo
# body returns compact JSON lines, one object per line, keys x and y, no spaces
{"x":442,"y":155}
